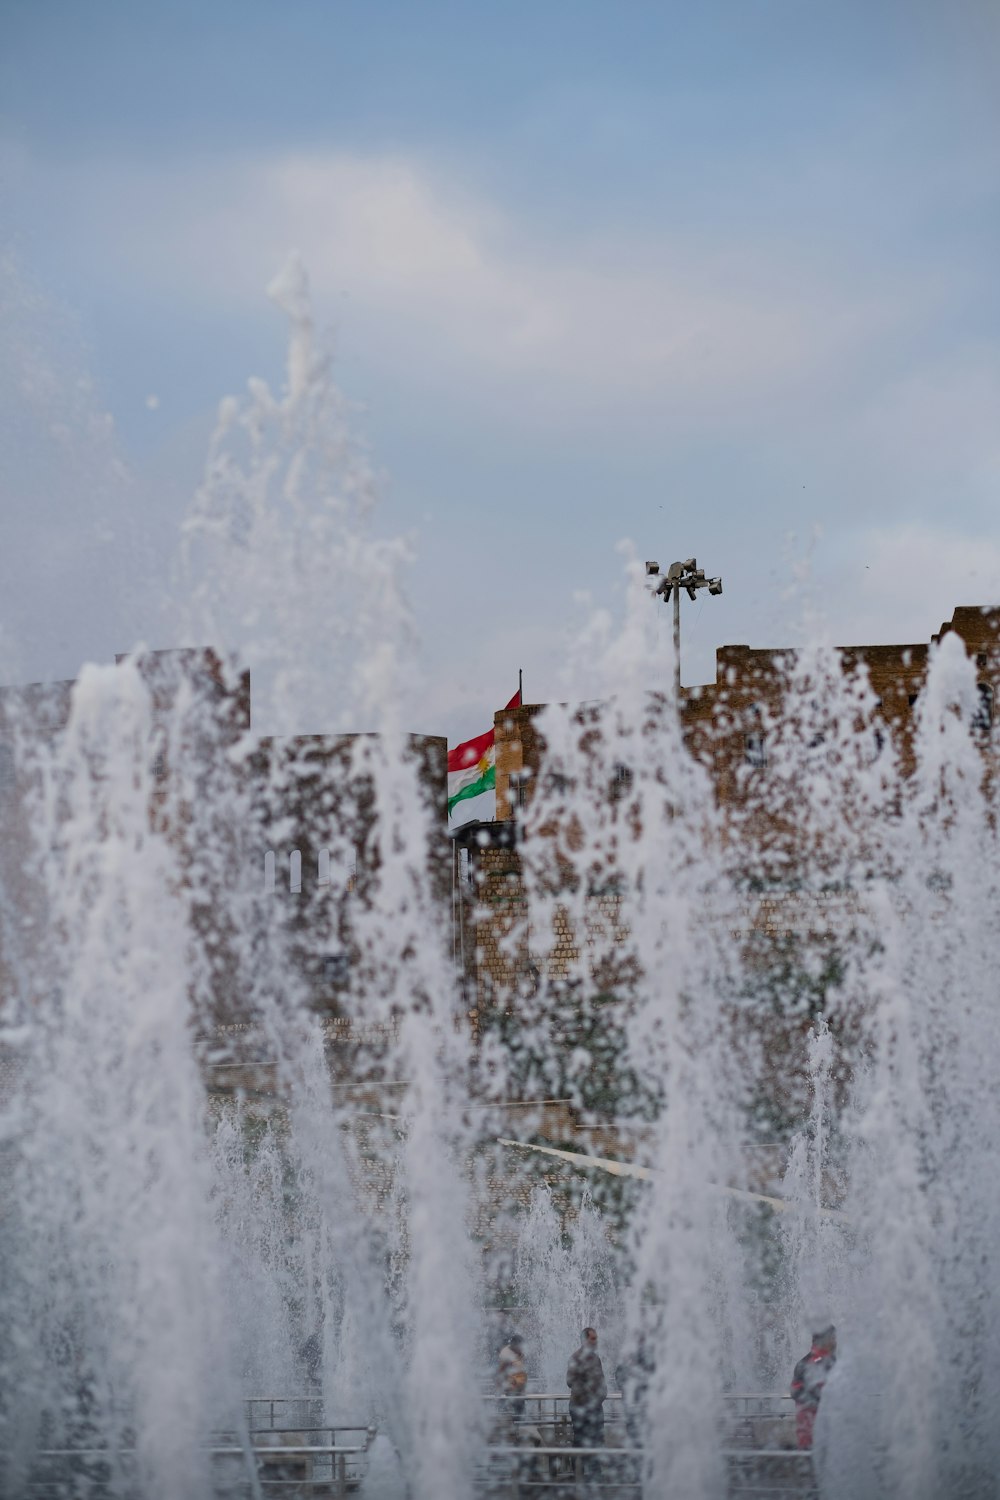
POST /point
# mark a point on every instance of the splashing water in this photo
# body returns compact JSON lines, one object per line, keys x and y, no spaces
{"x":207,"y":1204}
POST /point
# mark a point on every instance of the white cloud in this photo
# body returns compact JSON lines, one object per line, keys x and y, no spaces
{"x":608,"y":344}
{"x":436,"y":277}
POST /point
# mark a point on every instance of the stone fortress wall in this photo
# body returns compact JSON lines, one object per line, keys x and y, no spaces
{"x":724,"y":724}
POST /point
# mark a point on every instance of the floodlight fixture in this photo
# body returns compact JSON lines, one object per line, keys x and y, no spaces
{"x":688,"y":576}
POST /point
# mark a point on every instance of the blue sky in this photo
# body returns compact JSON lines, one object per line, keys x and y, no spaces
{"x":720,"y":279}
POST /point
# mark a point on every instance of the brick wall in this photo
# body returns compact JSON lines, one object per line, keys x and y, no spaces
{"x":717,"y":721}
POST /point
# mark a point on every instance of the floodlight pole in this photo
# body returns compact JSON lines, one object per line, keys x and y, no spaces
{"x":677,"y":645}
{"x":681,"y":575}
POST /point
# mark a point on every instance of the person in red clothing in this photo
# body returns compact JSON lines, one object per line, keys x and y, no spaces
{"x":808,"y":1381}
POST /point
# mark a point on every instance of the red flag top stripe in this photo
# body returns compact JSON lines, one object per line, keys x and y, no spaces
{"x":471,"y":752}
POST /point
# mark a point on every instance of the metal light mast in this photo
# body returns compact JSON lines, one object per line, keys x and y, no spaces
{"x":681,"y":575}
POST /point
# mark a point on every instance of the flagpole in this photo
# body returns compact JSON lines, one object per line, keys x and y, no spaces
{"x":520,"y":685}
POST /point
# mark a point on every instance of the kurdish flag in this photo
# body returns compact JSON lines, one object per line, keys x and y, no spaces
{"x":472,"y":778}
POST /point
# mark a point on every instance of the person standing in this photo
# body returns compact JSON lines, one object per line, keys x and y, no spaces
{"x":808,"y":1381}
{"x":512,"y":1376}
{"x":587,"y":1390}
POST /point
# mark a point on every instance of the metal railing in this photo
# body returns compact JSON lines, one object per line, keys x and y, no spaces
{"x":304,"y":1467}
{"x":751,"y":1419}
{"x":288,"y":1433}
{"x":510,"y":1473}
{"x":545,"y":1416}
{"x":759,"y":1403}
{"x":558,"y":1398}
{"x":538,"y":1457}
{"x":286,"y":1447}
{"x":332,"y":1469}
{"x":759,"y":1419}
{"x":517,"y":1473}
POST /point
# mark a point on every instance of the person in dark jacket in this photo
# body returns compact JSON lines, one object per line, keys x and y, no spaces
{"x":808,"y":1381}
{"x":587,"y":1390}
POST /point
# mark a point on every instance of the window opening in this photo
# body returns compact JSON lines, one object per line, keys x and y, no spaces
{"x":336,"y":968}
{"x":269,"y":872}
{"x":621,"y":780}
{"x":755,"y":742}
{"x":755,"y":749}
{"x":295,"y":871}
{"x":982,"y":718}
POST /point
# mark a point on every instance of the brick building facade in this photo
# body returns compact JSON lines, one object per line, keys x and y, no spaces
{"x":727,"y":725}
{"x":268,"y":832}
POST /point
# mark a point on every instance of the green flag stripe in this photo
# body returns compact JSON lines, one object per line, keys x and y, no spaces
{"x":486,"y":783}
